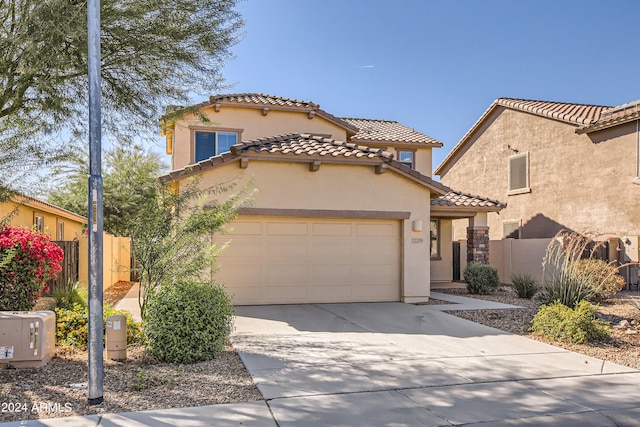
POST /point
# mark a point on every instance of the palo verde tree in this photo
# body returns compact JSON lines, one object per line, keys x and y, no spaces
{"x":154,"y":53}
{"x":171,"y":235}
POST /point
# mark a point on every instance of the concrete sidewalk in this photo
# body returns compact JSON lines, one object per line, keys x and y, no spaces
{"x":394,"y":364}
{"x":130,"y":302}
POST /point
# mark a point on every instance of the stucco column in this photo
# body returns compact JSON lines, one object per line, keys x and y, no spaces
{"x":478,"y":239}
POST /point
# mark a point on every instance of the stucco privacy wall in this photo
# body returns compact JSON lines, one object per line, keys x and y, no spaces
{"x":116,"y":260}
{"x":575,"y":183}
{"x":253,"y":125}
{"x":283,"y":185}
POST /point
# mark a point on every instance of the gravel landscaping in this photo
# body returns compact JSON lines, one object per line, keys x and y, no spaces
{"x":621,"y":312}
{"x":141,"y":383}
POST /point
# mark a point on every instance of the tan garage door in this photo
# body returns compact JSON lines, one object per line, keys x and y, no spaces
{"x":302,"y":260}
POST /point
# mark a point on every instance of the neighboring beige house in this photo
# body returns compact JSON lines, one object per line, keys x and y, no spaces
{"x":65,"y":226}
{"x":556,"y":165}
{"x":57,"y":223}
{"x":345,"y":209}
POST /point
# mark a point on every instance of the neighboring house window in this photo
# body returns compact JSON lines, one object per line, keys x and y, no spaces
{"x":519,"y":173}
{"x":61,"y":231}
{"x":38,"y":222}
{"x":407,"y":158}
{"x":511,"y":229}
{"x":434,"y":241}
{"x":209,"y":144}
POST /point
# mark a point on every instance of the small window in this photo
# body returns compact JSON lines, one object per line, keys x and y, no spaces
{"x":434,"y":242}
{"x":209,"y":144}
{"x":60,"y":235}
{"x":38,"y":222}
{"x":406,"y":158}
{"x":519,"y":173}
{"x":511,"y":229}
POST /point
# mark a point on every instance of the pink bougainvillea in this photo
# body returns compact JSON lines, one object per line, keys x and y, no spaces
{"x":28,"y":259}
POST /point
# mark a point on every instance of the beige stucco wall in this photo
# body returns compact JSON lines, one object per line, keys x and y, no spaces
{"x":252,"y":124}
{"x":518,"y":256}
{"x":116,"y":260}
{"x":292,"y":186}
{"x":577,"y":181}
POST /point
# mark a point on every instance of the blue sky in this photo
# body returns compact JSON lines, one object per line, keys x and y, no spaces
{"x":436,"y":66}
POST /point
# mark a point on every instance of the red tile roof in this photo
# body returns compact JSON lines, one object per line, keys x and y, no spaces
{"x":579,"y":114}
{"x":372,"y":131}
{"x":573,"y":114}
{"x":458,"y":199}
{"x":614,"y":116}
{"x":263,"y":99}
{"x":310,"y":145}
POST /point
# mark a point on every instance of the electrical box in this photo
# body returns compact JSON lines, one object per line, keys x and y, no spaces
{"x":116,"y":331}
{"x":27,"y":338}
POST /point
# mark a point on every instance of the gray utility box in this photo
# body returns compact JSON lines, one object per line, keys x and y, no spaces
{"x":27,"y":338}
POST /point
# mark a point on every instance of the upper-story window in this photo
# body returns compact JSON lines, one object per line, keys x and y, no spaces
{"x":519,"y":174}
{"x":407,"y":158}
{"x":212,"y":143}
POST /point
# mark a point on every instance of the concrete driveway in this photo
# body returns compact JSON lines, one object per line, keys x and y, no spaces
{"x":393,"y":364}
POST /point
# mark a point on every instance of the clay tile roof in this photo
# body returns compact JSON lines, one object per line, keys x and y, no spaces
{"x":579,"y":114}
{"x":309,"y":144}
{"x":613,"y":116}
{"x":263,"y":99}
{"x":458,"y":199}
{"x":388,"y":131}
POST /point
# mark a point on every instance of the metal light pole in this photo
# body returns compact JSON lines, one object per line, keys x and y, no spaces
{"x":96,"y":362}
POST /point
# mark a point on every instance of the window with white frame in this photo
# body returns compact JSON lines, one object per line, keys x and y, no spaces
{"x":212,"y":143}
{"x":434,"y":240}
{"x":519,"y":173}
{"x":407,"y":158}
{"x":38,"y":222}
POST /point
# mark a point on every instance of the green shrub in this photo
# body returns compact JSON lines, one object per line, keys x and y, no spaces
{"x":524,"y":285}
{"x":481,"y":278}
{"x":601,"y":276}
{"x":188,"y":321}
{"x":68,"y":295}
{"x":577,"y":326}
{"x":572,"y":272}
{"x":72,"y":325}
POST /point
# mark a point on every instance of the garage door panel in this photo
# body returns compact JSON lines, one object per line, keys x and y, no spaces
{"x":378,"y":229}
{"x":329,"y":293}
{"x":280,"y":293}
{"x":285,"y":248}
{"x":242,"y":247}
{"x":330,"y":248}
{"x":312,"y":261}
{"x":332,"y":272}
{"x":332,"y":229}
{"x":287,"y":228}
{"x":248,"y":228}
{"x":286,"y":272}
{"x":377,"y":292}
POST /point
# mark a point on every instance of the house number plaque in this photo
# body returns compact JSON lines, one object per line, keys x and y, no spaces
{"x":417,"y":240}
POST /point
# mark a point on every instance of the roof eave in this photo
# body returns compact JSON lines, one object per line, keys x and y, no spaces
{"x":608,"y":124}
{"x":396,"y":143}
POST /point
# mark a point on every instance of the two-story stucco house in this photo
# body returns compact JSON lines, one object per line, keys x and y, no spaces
{"x":557,"y":166}
{"x":345,"y":208}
